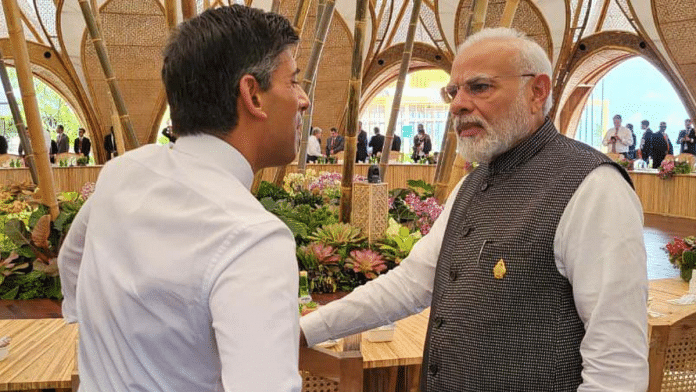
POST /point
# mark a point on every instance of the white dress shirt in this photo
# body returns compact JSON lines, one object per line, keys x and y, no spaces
{"x":178,"y":277}
{"x":598,"y":247}
{"x":624,"y":139}
{"x":313,"y":147}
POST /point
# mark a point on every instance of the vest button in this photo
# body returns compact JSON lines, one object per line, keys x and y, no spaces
{"x":433,"y":369}
{"x":484,"y":186}
{"x":438,"y":322}
{"x":453,"y":275}
{"x":466,"y":231}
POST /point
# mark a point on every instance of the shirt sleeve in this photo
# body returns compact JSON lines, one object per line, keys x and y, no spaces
{"x":254,"y":310}
{"x":626,"y":137}
{"x":403,"y":291}
{"x":599,"y":247}
{"x":70,"y":259}
{"x":607,"y":136}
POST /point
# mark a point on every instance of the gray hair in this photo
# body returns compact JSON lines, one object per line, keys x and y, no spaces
{"x":531,"y":56}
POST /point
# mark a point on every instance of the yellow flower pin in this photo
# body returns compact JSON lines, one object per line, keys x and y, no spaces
{"x":499,"y":270}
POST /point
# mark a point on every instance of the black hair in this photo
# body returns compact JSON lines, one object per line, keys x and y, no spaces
{"x":207,"y":56}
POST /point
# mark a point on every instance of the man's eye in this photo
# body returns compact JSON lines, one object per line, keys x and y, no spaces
{"x":478,"y":88}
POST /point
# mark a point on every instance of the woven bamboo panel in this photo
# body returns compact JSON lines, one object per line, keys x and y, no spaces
{"x":675,"y":21}
{"x":370,"y":210}
{"x":135,"y":33}
{"x":615,"y":19}
{"x":312,"y":383}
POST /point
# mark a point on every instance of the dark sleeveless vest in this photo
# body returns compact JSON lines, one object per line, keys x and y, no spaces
{"x":521,"y":332}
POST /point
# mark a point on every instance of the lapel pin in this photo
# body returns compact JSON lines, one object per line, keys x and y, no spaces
{"x":499,"y":270}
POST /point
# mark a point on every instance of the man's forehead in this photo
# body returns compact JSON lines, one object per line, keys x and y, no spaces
{"x":485,"y":58}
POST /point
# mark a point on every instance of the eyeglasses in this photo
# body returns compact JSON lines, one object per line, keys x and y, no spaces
{"x":478,"y":87}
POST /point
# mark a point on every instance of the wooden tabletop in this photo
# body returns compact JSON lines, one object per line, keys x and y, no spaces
{"x":405,"y":349}
{"x":663,"y":290}
{"x":42,"y":354}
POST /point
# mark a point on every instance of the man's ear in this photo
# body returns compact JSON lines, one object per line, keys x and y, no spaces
{"x":250,"y":96}
{"x":541,"y":88}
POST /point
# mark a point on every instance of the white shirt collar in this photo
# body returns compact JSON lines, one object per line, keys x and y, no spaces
{"x":218,"y":152}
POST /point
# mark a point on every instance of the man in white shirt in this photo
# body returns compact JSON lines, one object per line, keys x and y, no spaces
{"x":532,"y":286}
{"x":178,"y":277}
{"x":618,"y":139}
{"x":314,"y":145}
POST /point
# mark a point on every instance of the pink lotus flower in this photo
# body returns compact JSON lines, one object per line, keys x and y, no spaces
{"x":367,"y":262}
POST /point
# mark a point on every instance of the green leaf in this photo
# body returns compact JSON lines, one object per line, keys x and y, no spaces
{"x":269,"y":204}
{"x":37,"y":214}
{"x":689,"y":258}
{"x":17,"y":232}
{"x":61,"y":221}
{"x":403,"y":231}
{"x":12,"y":294}
{"x":298,"y":229}
{"x":25,"y":251}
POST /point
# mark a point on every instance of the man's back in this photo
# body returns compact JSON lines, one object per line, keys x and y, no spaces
{"x":171,"y":289}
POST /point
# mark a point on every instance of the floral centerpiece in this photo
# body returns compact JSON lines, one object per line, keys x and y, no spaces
{"x":670,"y":167}
{"x":682,"y":254}
{"x":624,"y":162}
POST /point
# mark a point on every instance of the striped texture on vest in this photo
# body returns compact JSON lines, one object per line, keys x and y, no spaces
{"x":521,"y":332}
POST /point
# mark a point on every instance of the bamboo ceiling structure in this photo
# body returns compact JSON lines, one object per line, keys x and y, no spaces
{"x":585,"y":39}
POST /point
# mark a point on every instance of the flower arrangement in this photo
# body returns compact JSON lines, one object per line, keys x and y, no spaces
{"x":415,"y":205}
{"x":670,"y":167}
{"x":624,"y":162}
{"x":682,"y":255}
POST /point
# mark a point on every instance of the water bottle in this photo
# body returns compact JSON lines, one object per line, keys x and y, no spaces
{"x":304,"y":297}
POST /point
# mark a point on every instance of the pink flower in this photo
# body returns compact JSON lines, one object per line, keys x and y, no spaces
{"x":87,"y":190}
{"x":367,"y":262}
{"x":325,"y":254}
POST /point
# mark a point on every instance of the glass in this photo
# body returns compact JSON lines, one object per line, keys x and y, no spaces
{"x":477,"y":87}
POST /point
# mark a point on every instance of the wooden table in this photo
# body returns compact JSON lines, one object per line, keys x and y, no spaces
{"x":661,"y":291}
{"x":42,"y":354}
{"x":396,"y":365}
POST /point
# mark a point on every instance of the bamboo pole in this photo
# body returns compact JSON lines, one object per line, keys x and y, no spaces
{"x":170,"y":13}
{"x":108,"y":73}
{"x":354,"y":92}
{"x":19,"y":122}
{"x":396,"y":103}
{"x":509,"y":13}
{"x":31,"y":106}
{"x":206,"y":4}
{"x":275,"y":6}
{"x":188,"y":9}
{"x":300,"y":16}
{"x":118,"y":131}
{"x":443,"y":173}
{"x":479,"y":8}
{"x":298,"y":25}
{"x":308,"y":81}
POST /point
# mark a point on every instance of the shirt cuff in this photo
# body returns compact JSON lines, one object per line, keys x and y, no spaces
{"x":314,"y":328}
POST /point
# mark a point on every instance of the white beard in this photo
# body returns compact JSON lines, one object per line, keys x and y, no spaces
{"x":499,"y":136}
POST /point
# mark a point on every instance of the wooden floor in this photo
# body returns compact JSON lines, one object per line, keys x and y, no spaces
{"x":658,"y":231}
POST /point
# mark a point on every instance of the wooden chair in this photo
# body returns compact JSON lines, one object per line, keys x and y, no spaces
{"x":672,"y":356}
{"x":324,"y":370}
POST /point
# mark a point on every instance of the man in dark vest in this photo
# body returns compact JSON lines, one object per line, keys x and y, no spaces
{"x":536,"y":269}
